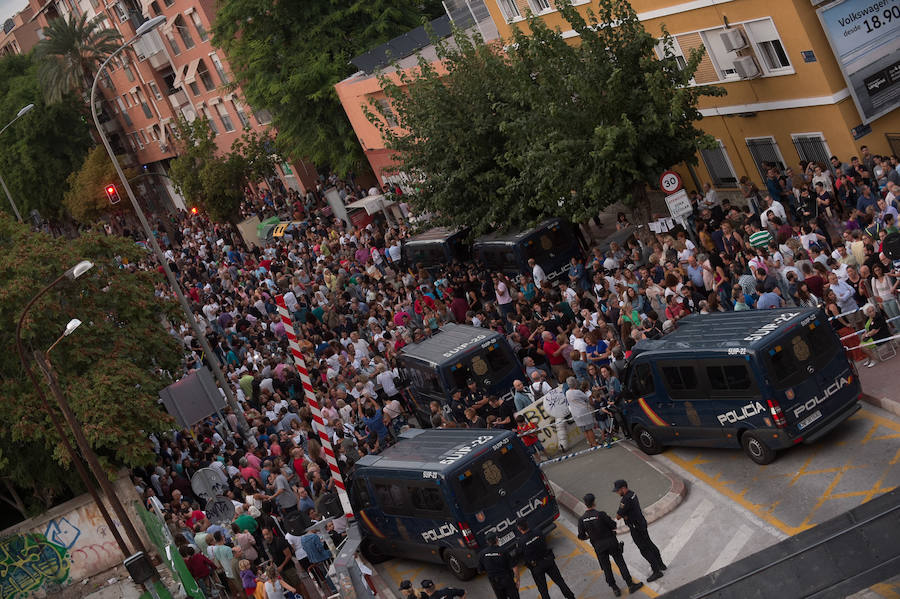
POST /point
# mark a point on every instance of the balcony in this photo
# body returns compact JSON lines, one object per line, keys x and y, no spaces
{"x":177,"y":98}
{"x":111,"y":126}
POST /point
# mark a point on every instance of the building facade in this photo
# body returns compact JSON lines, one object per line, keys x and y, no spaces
{"x":788,"y":97}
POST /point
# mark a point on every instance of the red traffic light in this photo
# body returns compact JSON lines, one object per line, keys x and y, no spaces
{"x":194,"y":210}
{"x":112,"y":194}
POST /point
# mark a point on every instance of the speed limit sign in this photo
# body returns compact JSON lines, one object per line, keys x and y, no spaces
{"x":670,"y":182}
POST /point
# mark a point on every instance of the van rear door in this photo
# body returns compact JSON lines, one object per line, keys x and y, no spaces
{"x":810,"y":375}
{"x":492,"y":366}
{"x":497,"y":488}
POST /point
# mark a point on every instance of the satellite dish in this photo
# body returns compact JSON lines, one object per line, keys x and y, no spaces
{"x":220,"y":510}
{"x":207,"y":483}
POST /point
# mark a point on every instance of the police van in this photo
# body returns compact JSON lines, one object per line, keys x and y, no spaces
{"x":436,"y":248}
{"x":435,"y":495}
{"x":762,"y":380}
{"x":552,"y":244}
{"x":436,"y":367}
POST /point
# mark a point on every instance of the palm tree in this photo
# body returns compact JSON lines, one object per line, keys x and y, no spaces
{"x":70,"y":52}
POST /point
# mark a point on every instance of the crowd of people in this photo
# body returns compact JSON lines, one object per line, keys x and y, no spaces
{"x":812,"y":237}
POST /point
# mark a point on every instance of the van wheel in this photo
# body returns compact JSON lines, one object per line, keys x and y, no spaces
{"x":372,"y":552}
{"x":456,"y":565}
{"x":756,"y":450}
{"x":646,"y":441}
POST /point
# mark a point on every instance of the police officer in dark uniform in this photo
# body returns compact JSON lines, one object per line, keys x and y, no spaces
{"x":601,"y":530}
{"x":429,"y":591}
{"x":475,"y":397}
{"x":458,"y":406}
{"x":501,"y":572}
{"x":540,"y":560}
{"x":630,"y":511}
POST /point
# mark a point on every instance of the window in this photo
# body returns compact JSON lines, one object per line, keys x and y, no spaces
{"x":391,"y":498}
{"x":731,"y":378}
{"x":120,"y":12}
{"x":121,"y":104}
{"x":426,"y":499}
{"x":385,"y":109}
{"x":673,"y":52}
{"x":143,"y":100}
{"x":768,"y":44}
{"x":479,"y":483}
{"x":223,"y":115}
{"x":242,"y":116}
{"x":201,"y":31}
{"x":175,"y":49}
{"x":721,"y":58}
{"x":641,"y":382}
{"x":127,"y":99}
{"x":154,"y":90}
{"x":811,"y":147}
{"x":212,"y":123}
{"x":195,"y":89}
{"x":183,"y":32}
{"x":814,"y":345}
{"x":138,"y":141}
{"x":154,"y":8}
{"x":719,"y":166}
{"x":680,"y":379}
{"x":509,"y":9}
{"x":765,"y":154}
{"x":219,"y":68}
{"x":485,"y":367}
{"x":126,"y":118}
{"x":205,"y":77}
{"x":128,"y":73}
{"x":168,"y":2}
{"x":539,"y":6}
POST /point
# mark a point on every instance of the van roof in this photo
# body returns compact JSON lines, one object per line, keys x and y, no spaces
{"x":436,"y":234}
{"x":514,"y":236}
{"x":452,"y":339}
{"x":748,"y":329}
{"x":425,"y":449}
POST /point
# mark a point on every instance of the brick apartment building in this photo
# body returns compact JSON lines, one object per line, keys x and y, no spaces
{"x":170,"y":72}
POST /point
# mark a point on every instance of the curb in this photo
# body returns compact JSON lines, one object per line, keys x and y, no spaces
{"x":384,"y":590}
{"x":655,"y":511}
{"x":888,"y":405}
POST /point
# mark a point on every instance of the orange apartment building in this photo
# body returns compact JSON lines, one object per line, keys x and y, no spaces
{"x":20,"y":33}
{"x":788,"y":98}
{"x":171,"y":72}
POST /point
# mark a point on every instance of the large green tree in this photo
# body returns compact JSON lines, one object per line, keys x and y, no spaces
{"x":110,"y":368}
{"x":288,"y":58}
{"x":39,"y":151}
{"x":71,"y":51}
{"x":86,"y":198}
{"x":546,"y":127}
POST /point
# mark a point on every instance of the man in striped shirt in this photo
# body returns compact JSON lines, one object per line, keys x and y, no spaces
{"x":759,"y":238}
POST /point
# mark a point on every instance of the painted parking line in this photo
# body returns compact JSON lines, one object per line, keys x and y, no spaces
{"x":861,"y":463}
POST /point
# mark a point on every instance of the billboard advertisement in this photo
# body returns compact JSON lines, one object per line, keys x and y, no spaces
{"x":865,"y":37}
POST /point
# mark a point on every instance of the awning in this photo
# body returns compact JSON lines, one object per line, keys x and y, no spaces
{"x":179,"y":77}
{"x":171,"y":22}
{"x":191,"y":74}
{"x":372,"y":204}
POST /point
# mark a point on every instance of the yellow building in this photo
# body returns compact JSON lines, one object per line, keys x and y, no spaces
{"x":787,"y":97}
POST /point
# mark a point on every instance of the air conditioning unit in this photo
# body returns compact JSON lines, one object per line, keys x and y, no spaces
{"x":746,"y":67}
{"x":733,"y":39}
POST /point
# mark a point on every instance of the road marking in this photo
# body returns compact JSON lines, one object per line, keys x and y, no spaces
{"x":687,"y":529}
{"x":733,"y":548}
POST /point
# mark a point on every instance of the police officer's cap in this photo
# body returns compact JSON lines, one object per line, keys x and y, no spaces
{"x":470,"y":381}
{"x":427,"y":584}
{"x":619,"y":484}
{"x":491,"y":538}
{"x":522,"y":523}
{"x":588,"y":499}
{"x":405,"y":585}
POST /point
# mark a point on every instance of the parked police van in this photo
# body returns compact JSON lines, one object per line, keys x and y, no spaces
{"x":445,"y":362}
{"x":762,"y":380}
{"x":435,"y":495}
{"x":552,"y":244}
{"x":436,"y":248}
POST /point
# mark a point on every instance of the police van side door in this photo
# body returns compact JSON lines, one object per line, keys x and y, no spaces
{"x":734,"y":401}
{"x":688,"y":410}
{"x":642,"y":398}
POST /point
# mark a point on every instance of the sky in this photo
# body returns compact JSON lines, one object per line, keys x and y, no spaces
{"x":10,"y":7}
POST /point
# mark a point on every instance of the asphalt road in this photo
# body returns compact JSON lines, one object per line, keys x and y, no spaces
{"x":733,"y":508}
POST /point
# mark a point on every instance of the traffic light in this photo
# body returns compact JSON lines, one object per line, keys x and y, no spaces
{"x":112,"y":194}
{"x":194,"y":210}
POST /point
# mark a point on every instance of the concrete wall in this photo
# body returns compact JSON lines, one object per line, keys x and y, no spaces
{"x":63,"y":546}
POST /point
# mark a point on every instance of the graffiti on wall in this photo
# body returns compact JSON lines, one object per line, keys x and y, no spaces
{"x":29,"y":562}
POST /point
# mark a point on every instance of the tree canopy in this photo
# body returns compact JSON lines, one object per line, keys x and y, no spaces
{"x":216,"y":183}
{"x":38,"y":152}
{"x":505,"y":138}
{"x":109,"y":368}
{"x":288,"y":61}
{"x":86,"y":199}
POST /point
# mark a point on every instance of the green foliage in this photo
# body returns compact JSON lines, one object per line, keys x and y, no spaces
{"x":108,"y":369}
{"x":216,"y":183}
{"x":548,"y":128}
{"x":289,"y":59}
{"x":39,"y":150}
{"x":70,"y":53}
{"x":85,"y":199}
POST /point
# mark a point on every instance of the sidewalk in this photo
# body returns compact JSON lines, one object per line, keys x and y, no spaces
{"x":659,"y":489}
{"x":880,"y":384}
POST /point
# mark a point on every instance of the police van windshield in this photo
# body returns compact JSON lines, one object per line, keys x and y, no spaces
{"x":479,"y":484}
{"x":549,"y":243}
{"x":428,"y":254}
{"x":789,"y":357}
{"x":487,"y":367}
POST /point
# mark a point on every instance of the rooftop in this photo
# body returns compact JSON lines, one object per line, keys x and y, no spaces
{"x":433,"y":449}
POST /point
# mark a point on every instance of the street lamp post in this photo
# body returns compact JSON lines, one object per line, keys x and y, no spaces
{"x":25,"y":110}
{"x":148,"y":231}
{"x":72,"y":273}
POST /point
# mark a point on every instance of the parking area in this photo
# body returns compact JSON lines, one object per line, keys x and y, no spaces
{"x":807,"y":484}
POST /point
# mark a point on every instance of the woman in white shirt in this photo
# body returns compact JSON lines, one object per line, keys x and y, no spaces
{"x":885,"y":289}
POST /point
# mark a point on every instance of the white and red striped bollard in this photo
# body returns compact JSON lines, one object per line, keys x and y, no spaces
{"x":313,"y":402}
